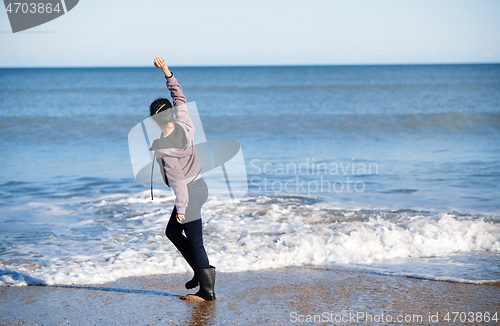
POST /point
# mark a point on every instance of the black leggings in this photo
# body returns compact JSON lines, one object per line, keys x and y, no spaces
{"x":190,"y":245}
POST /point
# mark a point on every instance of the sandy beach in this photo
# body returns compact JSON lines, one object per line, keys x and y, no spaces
{"x":288,"y":296}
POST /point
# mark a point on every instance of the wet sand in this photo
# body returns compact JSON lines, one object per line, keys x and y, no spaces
{"x":288,"y":296}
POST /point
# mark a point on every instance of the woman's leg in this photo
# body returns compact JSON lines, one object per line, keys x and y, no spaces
{"x":191,"y":245}
{"x":205,"y":273}
{"x":174,"y":234}
{"x":194,"y":234}
{"x":198,"y":194}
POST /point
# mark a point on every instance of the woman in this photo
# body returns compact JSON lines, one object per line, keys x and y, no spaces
{"x":180,"y":168}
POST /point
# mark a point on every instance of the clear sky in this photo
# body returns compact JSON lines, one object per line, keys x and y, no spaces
{"x":258,"y":32}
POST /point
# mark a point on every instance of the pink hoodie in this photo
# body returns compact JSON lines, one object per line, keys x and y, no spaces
{"x":179,"y":166}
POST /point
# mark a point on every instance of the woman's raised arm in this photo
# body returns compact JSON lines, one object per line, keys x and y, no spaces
{"x":173,"y":86}
{"x":160,"y":63}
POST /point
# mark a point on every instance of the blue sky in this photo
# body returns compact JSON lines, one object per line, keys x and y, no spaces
{"x":199,"y":33}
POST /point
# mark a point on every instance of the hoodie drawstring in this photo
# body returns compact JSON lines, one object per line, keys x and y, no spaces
{"x":152,"y":170}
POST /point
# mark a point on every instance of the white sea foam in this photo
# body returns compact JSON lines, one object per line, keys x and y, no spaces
{"x":97,"y":240}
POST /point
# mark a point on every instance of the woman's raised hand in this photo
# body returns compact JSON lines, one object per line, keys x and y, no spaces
{"x":160,"y":64}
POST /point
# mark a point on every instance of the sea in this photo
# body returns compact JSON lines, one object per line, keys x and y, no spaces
{"x":388,"y":169}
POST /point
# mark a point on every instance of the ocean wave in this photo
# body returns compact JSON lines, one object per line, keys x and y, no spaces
{"x":81,"y":129}
{"x":334,"y":124}
{"x":37,"y":130}
{"x":97,"y":240}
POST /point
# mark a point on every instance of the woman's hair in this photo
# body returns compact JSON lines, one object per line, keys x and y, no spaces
{"x":160,"y":111}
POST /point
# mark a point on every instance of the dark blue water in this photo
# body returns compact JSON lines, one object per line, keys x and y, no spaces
{"x":429,"y":132}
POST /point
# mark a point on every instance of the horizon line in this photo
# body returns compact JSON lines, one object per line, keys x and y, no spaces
{"x":258,"y":65}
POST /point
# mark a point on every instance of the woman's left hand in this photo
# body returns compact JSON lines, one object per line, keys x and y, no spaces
{"x":179,"y":217}
{"x":159,"y":63}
